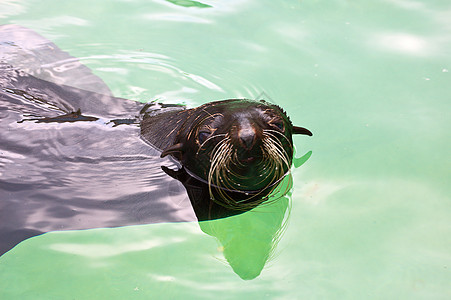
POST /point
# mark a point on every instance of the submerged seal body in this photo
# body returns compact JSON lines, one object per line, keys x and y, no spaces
{"x":234,"y":146}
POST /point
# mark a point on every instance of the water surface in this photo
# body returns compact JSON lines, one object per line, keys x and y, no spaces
{"x":370,"y":210}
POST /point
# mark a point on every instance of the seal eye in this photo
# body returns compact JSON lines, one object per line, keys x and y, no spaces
{"x":278,"y":125}
{"x":203,"y":135}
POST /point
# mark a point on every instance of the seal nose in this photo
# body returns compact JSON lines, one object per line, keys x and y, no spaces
{"x":247,"y":137}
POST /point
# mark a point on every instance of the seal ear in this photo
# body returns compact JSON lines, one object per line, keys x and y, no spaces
{"x":172,"y":149}
{"x":301,"y":130}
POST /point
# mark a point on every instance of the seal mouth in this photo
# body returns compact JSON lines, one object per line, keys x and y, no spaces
{"x":247,"y":160}
{"x":246,"y":157}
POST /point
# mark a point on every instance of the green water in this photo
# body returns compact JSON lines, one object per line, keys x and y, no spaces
{"x":370,"y":210}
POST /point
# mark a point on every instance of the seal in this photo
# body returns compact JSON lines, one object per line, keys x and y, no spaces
{"x":235,"y":146}
{"x":70,"y":143}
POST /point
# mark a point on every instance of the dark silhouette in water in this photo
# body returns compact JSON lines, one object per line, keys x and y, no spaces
{"x":84,"y":165}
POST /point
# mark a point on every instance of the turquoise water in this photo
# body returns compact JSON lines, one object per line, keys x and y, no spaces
{"x":370,"y":210}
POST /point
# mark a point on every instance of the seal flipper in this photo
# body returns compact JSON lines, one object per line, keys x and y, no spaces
{"x":69,"y":117}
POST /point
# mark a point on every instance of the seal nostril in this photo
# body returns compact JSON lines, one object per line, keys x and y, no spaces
{"x":247,"y":139}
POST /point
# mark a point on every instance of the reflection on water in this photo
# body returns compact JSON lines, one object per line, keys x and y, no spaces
{"x":72,"y":158}
{"x":248,"y":240}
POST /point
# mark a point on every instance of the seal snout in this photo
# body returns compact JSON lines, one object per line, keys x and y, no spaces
{"x":247,"y":137}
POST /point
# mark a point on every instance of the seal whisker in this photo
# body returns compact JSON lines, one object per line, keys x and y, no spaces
{"x":279,"y":155}
{"x":270,"y":136}
{"x":217,"y":160}
{"x":276,"y":145}
{"x":279,"y":134}
{"x":279,"y":162}
{"x":273,"y":170}
{"x":222,"y":175}
{"x":209,"y":139}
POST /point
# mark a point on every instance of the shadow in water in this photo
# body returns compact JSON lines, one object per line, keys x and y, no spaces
{"x":71,"y":158}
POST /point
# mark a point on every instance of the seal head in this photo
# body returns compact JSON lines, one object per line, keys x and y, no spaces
{"x":236,"y":146}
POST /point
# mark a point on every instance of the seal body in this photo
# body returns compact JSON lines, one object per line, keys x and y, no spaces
{"x":233,"y":146}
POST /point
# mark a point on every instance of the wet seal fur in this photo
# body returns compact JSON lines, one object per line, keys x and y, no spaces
{"x":241,"y":149}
